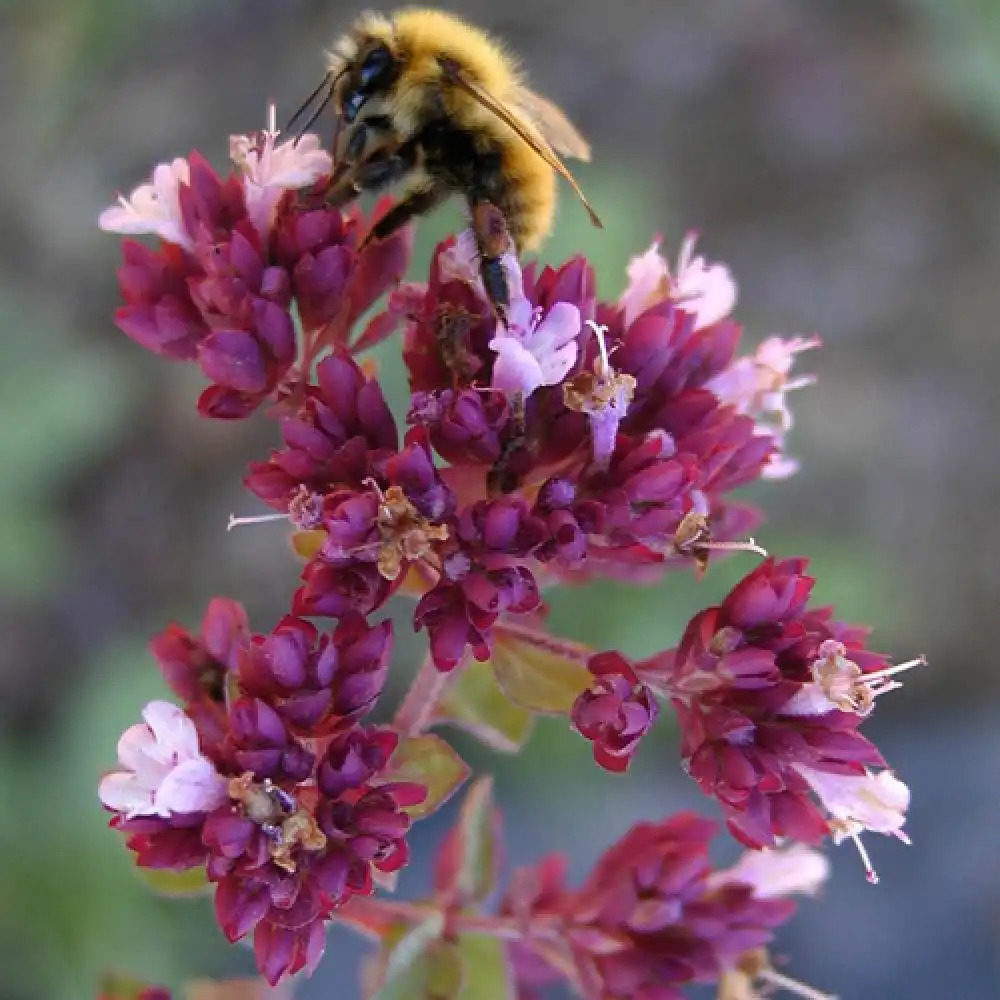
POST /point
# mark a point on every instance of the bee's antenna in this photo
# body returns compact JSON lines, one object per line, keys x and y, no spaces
{"x":305,"y":104}
{"x":312,"y":118}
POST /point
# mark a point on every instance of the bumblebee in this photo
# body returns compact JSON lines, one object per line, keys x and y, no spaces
{"x":433,"y":105}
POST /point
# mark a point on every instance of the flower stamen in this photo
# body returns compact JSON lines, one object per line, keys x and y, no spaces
{"x":693,"y":537}
{"x":603,"y":395}
{"x":838,"y":682}
{"x":406,"y":535}
{"x":236,"y":522}
{"x":298,"y":830}
{"x":871,"y":876}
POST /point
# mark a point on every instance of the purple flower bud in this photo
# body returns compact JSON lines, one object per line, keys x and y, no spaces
{"x":353,"y":759}
{"x":616,"y":712}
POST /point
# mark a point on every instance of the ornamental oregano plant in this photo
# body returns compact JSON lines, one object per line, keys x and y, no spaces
{"x":579,"y":439}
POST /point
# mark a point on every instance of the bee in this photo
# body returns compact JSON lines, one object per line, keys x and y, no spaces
{"x":435,"y":106}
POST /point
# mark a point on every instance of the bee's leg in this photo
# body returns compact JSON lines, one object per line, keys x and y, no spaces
{"x":383,"y":167}
{"x":493,"y":240}
{"x":416,"y":202}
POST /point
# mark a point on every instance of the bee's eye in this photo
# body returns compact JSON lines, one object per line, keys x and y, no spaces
{"x":374,"y":64}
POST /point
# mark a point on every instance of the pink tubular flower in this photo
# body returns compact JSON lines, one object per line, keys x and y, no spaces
{"x":705,"y":291}
{"x":757,"y":385}
{"x":270,"y":169}
{"x":603,"y":396}
{"x":535,"y":350}
{"x":858,"y":802}
{"x":164,"y":773}
{"x":616,"y":712}
{"x":153,"y":208}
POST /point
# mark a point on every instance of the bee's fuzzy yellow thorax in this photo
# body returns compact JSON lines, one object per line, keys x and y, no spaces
{"x":423,"y":36}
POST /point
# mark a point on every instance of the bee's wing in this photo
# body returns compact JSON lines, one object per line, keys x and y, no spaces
{"x":551,"y":121}
{"x":527,"y":131}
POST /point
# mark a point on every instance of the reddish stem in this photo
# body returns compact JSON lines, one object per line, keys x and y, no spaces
{"x":417,"y":707}
{"x":360,"y":911}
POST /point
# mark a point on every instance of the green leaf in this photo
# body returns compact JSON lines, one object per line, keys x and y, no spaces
{"x":475,"y":702}
{"x":445,"y":971}
{"x":405,"y":969}
{"x":540,"y":672}
{"x":428,"y":760}
{"x":177,"y":885}
{"x":479,"y":840}
{"x":487,"y":972}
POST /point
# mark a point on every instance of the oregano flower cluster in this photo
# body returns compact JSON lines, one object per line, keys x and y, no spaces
{"x":575,"y":440}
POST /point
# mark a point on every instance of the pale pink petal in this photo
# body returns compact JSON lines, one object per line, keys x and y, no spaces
{"x":192,"y":786}
{"x":557,"y":363}
{"x":173,"y":729}
{"x":135,"y":746}
{"x":648,"y":283}
{"x":123,"y":793}
{"x":270,"y":169}
{"x":779,"y":467}
{"x":781,"y":872}
{"x":520,"y":314}
{"x":876,"y":802}
{"x":515,"y":370}
{"x":297,"y":164}
{"x":758,"y":386}
{"x":810,"y":699}
{"x":152,"y":208}
{"x":707,"y":291}
{"x":737,"y":384}
{"x":778,"y":355}
{"x":554,"y":342}
{"x":534,"y":351}
{"x":460,"y":262}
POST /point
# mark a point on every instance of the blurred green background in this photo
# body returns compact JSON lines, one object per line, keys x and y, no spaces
{"x":842,"y":157}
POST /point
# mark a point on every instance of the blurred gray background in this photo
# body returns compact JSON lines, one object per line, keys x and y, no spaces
{"x":842,"y":157}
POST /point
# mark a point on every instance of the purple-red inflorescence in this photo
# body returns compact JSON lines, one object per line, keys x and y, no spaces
{"x":573,"y":439}
{"x":770,"y":693}
{"x":290,"y":808}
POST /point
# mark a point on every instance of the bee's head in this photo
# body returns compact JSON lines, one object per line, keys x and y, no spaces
{"x":363,"y":63}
